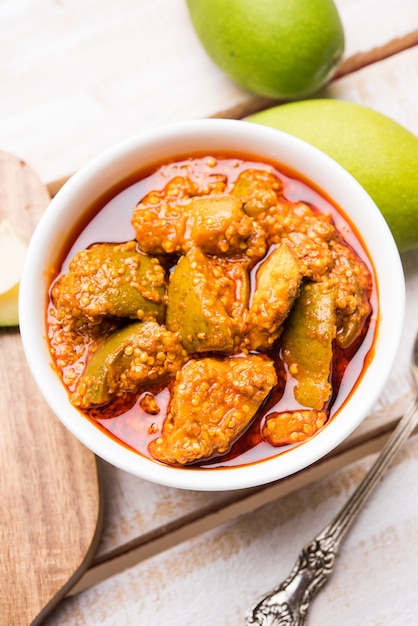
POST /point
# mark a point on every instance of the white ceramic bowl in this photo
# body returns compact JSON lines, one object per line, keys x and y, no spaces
{"x":186,"y":139}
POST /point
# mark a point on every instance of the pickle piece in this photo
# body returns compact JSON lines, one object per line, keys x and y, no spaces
{"x":112,"y":280}
{"x":353,"y":281}
{"x":281,"y":429}
{"x":215,"y":223}
{"x":277,"y":285}
{"x":160,"y":219}
{"x":142,"y":352}
{"x":258,"y":190}
{"x":233,"y":279}
{"x":307,"y":343}
{"x":218,"y":224}
{"x":213,"y":401}
{"x":194,"y":309}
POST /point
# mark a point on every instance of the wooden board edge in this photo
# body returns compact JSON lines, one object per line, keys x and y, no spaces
{"x":85,"y":563}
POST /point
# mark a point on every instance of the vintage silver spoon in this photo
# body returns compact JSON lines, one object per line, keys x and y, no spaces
{"x":288,"y":604}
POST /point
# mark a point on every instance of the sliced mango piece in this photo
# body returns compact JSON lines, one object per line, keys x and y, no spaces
{"x":307,"y":343}
{"x":194,"y":309}
{"x":281,"y":429}
{"x":160,"y":218}
{"x":213,"y":401}
{"x":353,"y":281}
{"x":233,"y":280}
{"x":218,"y":224}
{"x":258,"y":190}
{"x":277,"y":285}
{"x":12,"y":256}
{"x":112,"y":280}
{"x":136,"y":354}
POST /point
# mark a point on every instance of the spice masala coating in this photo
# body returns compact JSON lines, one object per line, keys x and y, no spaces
{"x":226,"y":277}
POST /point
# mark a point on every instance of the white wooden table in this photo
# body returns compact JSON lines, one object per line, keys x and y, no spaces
{"x":75,"y":78}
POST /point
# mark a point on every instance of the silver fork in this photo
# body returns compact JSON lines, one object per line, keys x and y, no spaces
{"x":288,"y":604}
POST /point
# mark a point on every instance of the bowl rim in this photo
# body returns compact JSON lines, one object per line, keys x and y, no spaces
{"x":111,"y":162}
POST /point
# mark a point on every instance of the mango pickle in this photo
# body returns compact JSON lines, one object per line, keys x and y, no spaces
{"x":194,"y":309}
{"x":277,"y":284}
{"x":112,"y":280}
{"x":307,"y":343}
{"x":211,"y":337}
{"x":212,"y":402}
{"x":138,"y":353}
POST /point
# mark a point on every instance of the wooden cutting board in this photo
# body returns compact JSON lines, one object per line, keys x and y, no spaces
{"x":50,"y":513}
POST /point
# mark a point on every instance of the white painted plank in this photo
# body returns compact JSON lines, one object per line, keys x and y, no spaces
{"x":137,"y":510}
{"x":82,"y":75}
{"x":389,"y":86}
{"x":401,"y":378}
{"x":78,"y":76}
{"x":369,"y":24}
{"x":212,"y":579}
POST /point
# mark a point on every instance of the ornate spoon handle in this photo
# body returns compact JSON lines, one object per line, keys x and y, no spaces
{"x":288,"y":604}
